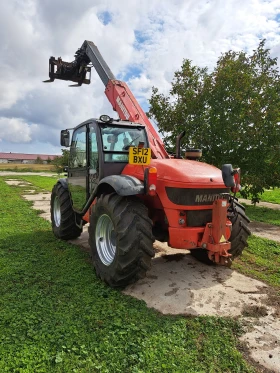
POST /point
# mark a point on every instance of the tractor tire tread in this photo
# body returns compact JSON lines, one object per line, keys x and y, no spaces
{"x":68,"y":229}
{"x":135,"y":241}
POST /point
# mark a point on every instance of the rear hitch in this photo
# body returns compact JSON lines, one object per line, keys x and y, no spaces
{"x":217,"y":233}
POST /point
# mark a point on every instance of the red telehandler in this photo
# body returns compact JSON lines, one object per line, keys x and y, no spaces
{"x":123,"y":182}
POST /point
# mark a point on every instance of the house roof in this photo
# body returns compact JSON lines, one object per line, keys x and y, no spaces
{"x":29,"y":157}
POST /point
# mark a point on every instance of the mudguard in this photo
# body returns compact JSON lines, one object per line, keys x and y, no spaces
{"x":124,"y":185}
{"x":63,"y":182}
{"x":227,"y":174}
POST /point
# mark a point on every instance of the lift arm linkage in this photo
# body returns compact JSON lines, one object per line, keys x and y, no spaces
{"x":117,"y":92}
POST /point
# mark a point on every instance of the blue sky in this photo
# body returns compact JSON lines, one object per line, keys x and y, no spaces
{"x":105,"y":17}
{"x":144,"y":42}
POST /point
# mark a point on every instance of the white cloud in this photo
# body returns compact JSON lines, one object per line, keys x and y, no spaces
{"x":152,"y":35}
{"x":14,"y":130}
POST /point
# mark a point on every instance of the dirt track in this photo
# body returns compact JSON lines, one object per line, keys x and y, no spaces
{"x":269,"y":205}
{"x":264,"y":230}
{"x":178,"y":284}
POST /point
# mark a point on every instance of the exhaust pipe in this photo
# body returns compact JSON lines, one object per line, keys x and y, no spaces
{"x":178,"y":144}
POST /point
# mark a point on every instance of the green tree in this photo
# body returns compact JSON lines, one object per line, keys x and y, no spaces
{"x":61,"y":161}
{"x":232,"y":114}
{"x":38,"y":160}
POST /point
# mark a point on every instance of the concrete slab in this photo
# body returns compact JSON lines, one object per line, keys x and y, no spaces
{"x":39,"y":197}
{"x":14,"y":173}
{"x":263,"y":339}
{"x":18,"y":182}
{"x":82,"y":241}
{"x":178,"y":284}
{"x":46,"y":215}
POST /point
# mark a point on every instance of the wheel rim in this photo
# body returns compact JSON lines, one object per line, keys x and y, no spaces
{"x":56,"y":212}
{"x":105,"y":239}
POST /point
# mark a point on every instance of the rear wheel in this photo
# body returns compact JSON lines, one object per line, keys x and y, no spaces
{"x":62,"y":214}
{"x":238,"y":238}
{"x":121,"y":240}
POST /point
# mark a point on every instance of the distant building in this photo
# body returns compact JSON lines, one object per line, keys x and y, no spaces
{"x":25,"y":158}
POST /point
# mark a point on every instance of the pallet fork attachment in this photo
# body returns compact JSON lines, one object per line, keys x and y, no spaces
{"x":77,"y":70}
{"x":117,"y":92}
{"x":73,"y":71}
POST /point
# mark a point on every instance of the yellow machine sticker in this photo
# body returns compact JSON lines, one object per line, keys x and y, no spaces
{"x":140,"y":156}
{"x":223,"y":239}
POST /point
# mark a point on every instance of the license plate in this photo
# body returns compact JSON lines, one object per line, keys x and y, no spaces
{"x":139,"y":156}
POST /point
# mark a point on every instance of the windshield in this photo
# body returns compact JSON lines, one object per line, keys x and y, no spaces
{"x":117,"y":140}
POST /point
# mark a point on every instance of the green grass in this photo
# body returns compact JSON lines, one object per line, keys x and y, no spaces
{"x":263,"y":214}
{"x":272,"y":195}
{"x":42,"y":182}
{"x":56,"y":316}
{"x":20,"y":167}
{"x":261,"y":260}
{"x":39,"y":183}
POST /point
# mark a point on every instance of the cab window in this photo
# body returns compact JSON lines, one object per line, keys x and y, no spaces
{"x":117,"y":140}
{"x":77,"y":157}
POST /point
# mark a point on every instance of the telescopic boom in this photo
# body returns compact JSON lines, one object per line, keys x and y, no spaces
{"x":117,"y":92}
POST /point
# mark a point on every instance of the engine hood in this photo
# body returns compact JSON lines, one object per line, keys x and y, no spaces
{"x":186,"y":171}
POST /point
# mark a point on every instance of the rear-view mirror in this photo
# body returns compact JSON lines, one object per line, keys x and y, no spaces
{"x":227,"y":174}
{"x":65,"y":138}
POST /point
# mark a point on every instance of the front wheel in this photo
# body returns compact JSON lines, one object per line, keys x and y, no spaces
{"x":62,"y":214}
{"x":240,"y":231}
{"x":121,"y":240}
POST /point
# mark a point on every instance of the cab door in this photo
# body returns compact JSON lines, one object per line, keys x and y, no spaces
{"x":83,"y":171}
{"x":77,"y":171}
{"x":94,"y":159}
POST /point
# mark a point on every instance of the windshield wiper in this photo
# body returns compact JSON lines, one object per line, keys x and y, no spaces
{"x":127,"y":146}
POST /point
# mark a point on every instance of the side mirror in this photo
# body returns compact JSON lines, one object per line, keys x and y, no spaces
{"x":227,"y":173}
{"x":65,"y":138}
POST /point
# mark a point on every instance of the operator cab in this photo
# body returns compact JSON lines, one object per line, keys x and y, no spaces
{"x":98,"y":148}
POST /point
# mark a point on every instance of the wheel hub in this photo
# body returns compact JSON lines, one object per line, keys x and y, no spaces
{"x":56,"y":212}
{"x":105,"y":238}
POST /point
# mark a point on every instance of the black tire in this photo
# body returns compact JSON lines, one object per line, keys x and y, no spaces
{"x":239,"y":235}
{"x":202,"y":256}
{"x":121,"y":240}
{"x":240,"y":231}
{"x":62,"y":214}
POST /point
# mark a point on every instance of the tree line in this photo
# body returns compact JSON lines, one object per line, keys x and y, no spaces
{"x":231,"y":113}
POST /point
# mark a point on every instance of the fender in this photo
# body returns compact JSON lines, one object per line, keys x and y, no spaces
{"x":123,"y":185}
{"x":63,"y":182}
